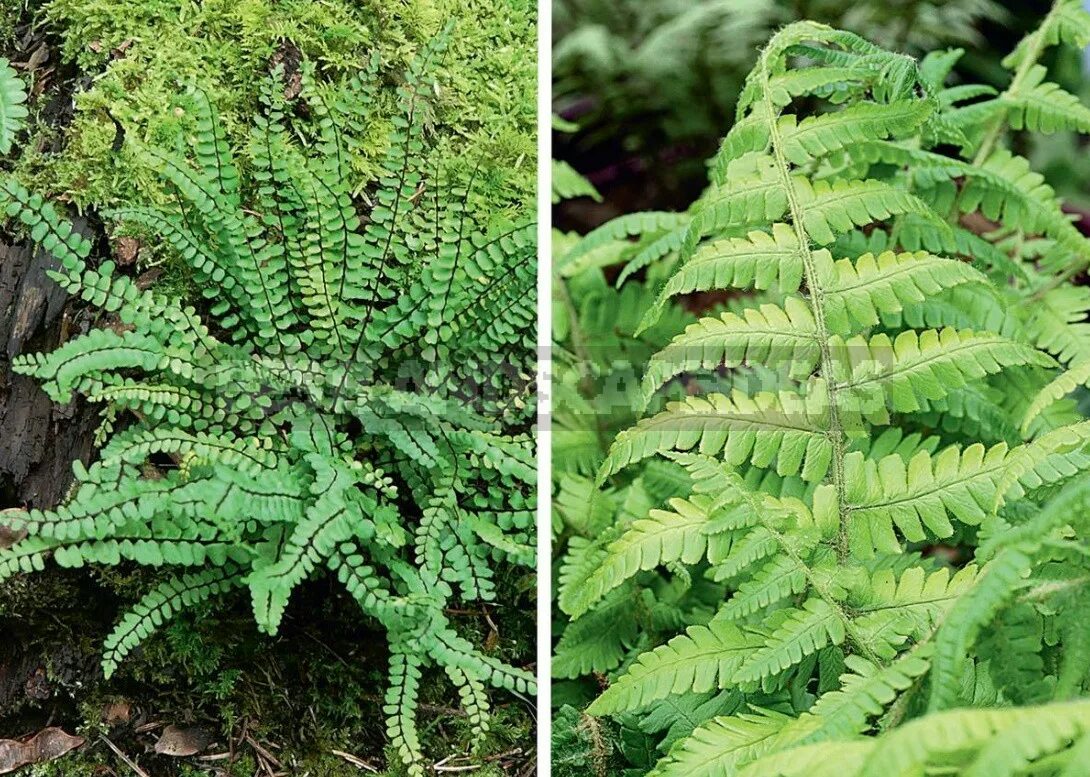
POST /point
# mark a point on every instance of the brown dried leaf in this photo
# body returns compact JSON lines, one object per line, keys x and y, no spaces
{"x":38,"y":58}
{"x":126,"y":249}
{"x":47,"y":745}
{"x":181,"y":742}
{"x":146,"y":279}
{"x":117,"y":712}
{"x":9,"y":537}
{"x":122,"y":47}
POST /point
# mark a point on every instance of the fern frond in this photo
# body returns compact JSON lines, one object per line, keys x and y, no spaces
{"x":755,"y":261}
{"x":663,"y":537}
{"x":872,"y":286}
{"x":569,"y":184}
{"x":783,"y":430}
{"x":705,"y":658}
{"x":925,"y":365}
{"x":865,"y":692}
{"x":723,"y":746}
{"x":922,"y":492}
{"x":13,"y":111}
{"x":160,"y":605}
{"x":832,"y":208}
{"x":821,"y":135}
{"x":1067,"y":23}
{"x":623,"y":228}
{"x":784,"y":337}
{"x":1042,"y":106}
{"x":793,"y":635}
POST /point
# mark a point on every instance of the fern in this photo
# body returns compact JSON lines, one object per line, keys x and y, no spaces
{"x":13,"y":111}
{"x":352,"y":395}
{"x":642,"y":72}
{"x":877,"y":381}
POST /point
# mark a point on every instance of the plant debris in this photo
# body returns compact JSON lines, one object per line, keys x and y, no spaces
{"x":179,"y":742}
{"x":47,"y":745}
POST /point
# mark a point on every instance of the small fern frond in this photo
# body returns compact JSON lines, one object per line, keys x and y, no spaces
{"x":783,"y":430}
{"x":705,"y":658}
{"x":13,"y":111}
{"x":160,"y":605}
{"x":768,"y":334}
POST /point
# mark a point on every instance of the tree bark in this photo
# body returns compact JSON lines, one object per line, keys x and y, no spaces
{"x":39,"y":439}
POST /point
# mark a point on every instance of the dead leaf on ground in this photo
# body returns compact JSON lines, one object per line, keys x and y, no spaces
{"x":146,"y":279}
{"x":8,"y":536}
{"x":47,"y":745}
{"x":122,"y":47}
{"x":37,"y":58}
{"x":181,"y":742}
{"x":126,"y":249}
{"x":116,"y":712}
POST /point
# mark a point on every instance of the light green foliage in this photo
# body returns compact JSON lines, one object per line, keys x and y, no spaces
{"x":13,"y":110}
{"x":354,"y":398}
{"x":778,"y":604}
{"x":568,"y":184}
{"x":138,"y":51}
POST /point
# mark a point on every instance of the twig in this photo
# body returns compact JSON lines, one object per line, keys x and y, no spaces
{"x":261,"y":751}
{"x":441,"y":766}
{"x":354,"y":760}
{"x":215,"y":757}
{"x":501,"y":756}
{"x":128,"y":761}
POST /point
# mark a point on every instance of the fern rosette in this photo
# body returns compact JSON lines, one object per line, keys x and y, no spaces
{"x":875,"y":509}
{"x":353,"y":394}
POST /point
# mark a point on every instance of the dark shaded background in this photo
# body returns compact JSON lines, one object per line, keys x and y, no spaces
{"x":649,"y":85}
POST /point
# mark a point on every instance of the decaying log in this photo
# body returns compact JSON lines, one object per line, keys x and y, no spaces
{"x":39,"y":439}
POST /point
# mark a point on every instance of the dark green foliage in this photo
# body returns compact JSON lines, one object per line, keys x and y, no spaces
{"x":353,"y":396}
{"x":876,"y":508}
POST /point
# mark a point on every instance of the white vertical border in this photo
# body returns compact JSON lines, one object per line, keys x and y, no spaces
{"x":544,"y":387}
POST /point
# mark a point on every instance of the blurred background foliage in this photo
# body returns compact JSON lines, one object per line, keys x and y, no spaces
{"x":645,"y":88}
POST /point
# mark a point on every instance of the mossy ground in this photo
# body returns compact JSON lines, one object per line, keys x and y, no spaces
{"x":140,"y":55}
{"x":318,"y":686}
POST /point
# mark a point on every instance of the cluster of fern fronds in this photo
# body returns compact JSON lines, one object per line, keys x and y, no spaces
{"x":353,"y":396}
{"x":856,"y":541}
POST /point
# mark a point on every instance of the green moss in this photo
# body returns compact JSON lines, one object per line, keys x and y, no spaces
{"x":141,"y":53}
